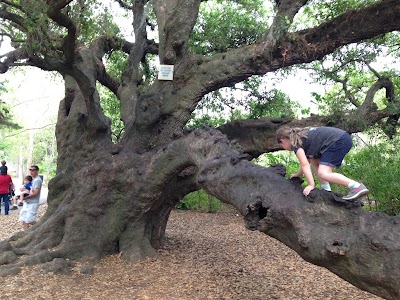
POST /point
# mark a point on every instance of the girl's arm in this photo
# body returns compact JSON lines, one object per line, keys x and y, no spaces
{"x":306,"y":170}
{"x":297,"y":174}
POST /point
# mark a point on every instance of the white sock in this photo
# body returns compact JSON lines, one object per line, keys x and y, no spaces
{"x":326,"y":187}
{"x":353,"y":184}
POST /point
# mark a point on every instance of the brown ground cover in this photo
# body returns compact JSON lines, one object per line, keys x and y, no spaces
{"x":207,"y":256}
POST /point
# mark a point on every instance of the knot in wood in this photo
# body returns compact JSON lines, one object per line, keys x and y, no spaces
{"x":337,"y":248}
{"x":278,"y":169}
{"x":304,"y":240}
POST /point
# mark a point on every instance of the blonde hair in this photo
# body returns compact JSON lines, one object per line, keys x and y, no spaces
{"x":295,"y":135}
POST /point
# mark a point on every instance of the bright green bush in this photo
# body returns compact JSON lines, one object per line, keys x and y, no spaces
{"x":199,"y":200}
{"x":378,"y":167}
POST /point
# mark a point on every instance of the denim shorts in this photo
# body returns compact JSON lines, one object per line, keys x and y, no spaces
{"x":334,"y":155}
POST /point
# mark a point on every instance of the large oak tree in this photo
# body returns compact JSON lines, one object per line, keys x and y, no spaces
{"x":116,"y":197}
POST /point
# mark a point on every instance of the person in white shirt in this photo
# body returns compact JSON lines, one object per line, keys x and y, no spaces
{"x":28,"y":213}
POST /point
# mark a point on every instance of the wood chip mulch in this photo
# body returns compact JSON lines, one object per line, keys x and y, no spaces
{"x":207,"y":256}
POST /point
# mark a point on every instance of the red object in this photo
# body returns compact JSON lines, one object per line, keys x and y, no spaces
{"x":5,"y":182}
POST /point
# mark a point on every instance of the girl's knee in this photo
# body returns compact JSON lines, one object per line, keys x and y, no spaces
{"x":324,"y":175}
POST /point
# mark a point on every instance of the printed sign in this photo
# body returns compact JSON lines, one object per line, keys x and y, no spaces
{"x":166,"y":72}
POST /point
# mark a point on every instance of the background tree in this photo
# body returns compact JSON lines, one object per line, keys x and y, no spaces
{"x":21,"y":130}
{"x":129,"y":187}
{"x":6,"y":116}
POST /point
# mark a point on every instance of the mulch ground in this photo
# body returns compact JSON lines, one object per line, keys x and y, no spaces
{"x":207,"y":256}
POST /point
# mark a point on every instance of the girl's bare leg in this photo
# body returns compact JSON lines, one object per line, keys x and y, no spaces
{"x":326,"y":173}
{"x":315,"y":165}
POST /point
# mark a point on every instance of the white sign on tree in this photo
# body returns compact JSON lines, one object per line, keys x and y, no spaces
{"x":166,"y":72}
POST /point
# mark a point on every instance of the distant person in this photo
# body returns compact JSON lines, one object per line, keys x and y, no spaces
{"x":324,"y":148}
{"x":3,"y":167}
{"x":6,"y":185}
{"x":28,"y":213}
{"x":25,"y":191}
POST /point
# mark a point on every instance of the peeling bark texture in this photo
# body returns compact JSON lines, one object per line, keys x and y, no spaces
{"x":117,"y":197}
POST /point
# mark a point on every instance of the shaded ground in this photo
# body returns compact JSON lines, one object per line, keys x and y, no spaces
{"x":207,"y":256}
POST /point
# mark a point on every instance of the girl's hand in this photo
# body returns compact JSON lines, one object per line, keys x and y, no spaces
{"x":307,"y":190}
{"x":295,"y":175}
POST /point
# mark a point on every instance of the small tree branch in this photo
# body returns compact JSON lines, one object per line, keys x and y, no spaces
{"x":286,"y":11}
{"x":256,"y":137}
{"x":12,"y":4}
{"x":10,"y":58}
{"x":15,"y":19}
{"x":29,"y":129}
{"x":123,"y":4}
{"x":54,"y":13}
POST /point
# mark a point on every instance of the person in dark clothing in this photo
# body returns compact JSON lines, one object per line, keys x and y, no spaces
{"x":3,"y":167}
{"x":323,"y":148}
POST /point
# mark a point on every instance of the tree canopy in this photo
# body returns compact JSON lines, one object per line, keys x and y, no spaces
{"x":132,"y":172}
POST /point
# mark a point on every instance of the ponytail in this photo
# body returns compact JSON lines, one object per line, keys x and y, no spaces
{"x":295,"y":135}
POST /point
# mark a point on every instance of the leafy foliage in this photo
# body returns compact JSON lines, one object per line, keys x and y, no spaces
{"x":251,"y":99}
{"x":273,"y":103}
{"x":199,"y":200}
{"x":15,"y":146}
{"x":45,"y":151}
{"x":111,"y":107}
{"x":377,"y":166}
{"x":317,"y":12}
{"x":286,"y":158}
{"x":224,"y":25}
{"x":92,"y":24}
{"x":6,"y":115}
{"x":349,"y":73}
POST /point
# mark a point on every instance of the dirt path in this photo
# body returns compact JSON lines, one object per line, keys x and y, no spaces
{"x":207,"y":256}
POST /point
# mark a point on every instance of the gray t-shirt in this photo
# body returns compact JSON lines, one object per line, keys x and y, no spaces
{"x":36,"y":184}
{"x":319,"y":139}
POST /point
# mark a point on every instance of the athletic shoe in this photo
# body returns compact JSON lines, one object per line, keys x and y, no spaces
{"x":356,"y":193}
{"x":14,"y":208}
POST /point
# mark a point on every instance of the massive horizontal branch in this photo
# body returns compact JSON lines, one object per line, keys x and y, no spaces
{"x":361,"y":247}
{"x":257,"y":136}
{"x":299,"y":47}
